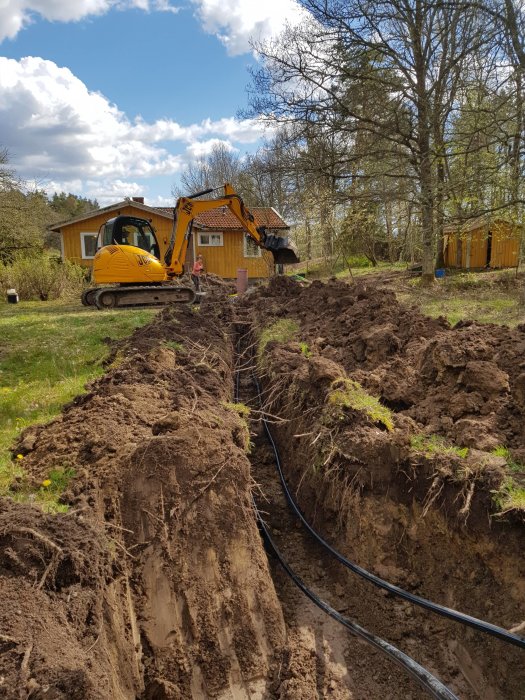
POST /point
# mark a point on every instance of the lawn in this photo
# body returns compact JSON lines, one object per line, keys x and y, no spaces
{"x":485,"y":297}
{"x":49,"y":351}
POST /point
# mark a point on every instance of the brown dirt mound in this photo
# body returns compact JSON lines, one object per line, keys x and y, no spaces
{"x":466,"y":383}
{"x":422,"y":520}
{"x":155,"y":583}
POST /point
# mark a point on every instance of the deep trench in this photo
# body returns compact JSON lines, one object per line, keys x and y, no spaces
{"x":344,"y":666}
{"x":332,"y":661}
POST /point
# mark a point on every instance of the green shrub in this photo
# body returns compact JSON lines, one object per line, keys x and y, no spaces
{"x":42,"y":277}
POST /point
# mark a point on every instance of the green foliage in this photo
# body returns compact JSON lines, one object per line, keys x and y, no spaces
{"x":509,"y":497}
{"x":68,"y":206}
{"x":25,"y":216}
{"x":502,"y":451}
{"x":42,"y":277}
{"x":282,"y":331}
{"x":305,"y":349}
{"x":350,"y":394}
{"x":436,"y":445}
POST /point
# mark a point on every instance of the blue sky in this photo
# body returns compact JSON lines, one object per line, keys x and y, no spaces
{"x":111,"y":98}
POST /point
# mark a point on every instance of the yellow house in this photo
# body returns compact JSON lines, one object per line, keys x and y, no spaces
{"x":216,"y":235}
{"x":484,"y":242}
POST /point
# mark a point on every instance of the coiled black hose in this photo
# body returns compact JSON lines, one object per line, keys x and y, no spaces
{"x":460,"y":617}
{"x":429,"y":682}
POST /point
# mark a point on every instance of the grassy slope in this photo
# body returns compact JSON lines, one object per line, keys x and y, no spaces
{"x":48,"y":353}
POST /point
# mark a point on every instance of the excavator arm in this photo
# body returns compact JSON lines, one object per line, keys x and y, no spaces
{"x":188,"y":208}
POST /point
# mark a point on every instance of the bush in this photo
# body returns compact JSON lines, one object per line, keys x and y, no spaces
{"x":42,"y":277}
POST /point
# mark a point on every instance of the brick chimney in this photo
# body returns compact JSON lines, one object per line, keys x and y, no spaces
{"x":139,"y":200}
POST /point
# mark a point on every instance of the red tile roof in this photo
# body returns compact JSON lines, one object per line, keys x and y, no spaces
{"x":223,"y":220}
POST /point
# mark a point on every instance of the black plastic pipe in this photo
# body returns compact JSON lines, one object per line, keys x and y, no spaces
{"x":429,"y":682}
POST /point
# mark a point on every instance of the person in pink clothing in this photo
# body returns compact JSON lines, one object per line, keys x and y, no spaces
{"x":198,"y":268}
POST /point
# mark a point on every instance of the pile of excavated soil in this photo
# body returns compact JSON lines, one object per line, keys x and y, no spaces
{"x":423,"y":520}
{"x":465,"y":383}
{"x":154,"y":584}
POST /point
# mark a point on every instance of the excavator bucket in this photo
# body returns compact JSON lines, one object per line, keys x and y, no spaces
{"x":284,"y":253}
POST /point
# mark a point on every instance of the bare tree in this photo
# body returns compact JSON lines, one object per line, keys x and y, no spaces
{"x":221,"y":165}
{"x":404,"y":55}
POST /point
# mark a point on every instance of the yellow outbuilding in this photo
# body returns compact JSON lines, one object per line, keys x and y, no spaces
{"x":483,"y":242}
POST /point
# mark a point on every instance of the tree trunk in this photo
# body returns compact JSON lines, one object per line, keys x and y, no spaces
{"x":427,"y":213}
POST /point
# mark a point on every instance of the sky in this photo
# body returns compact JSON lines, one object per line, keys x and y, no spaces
{"x":109,"y":99}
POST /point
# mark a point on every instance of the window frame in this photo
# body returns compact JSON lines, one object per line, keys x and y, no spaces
{"x":258,"y":253}
{"x":200,"y":244}
{"x":83,"y":235}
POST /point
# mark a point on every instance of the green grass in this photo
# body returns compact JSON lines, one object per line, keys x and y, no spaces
{"x":510,"y":497}
{"x":174,"y":345}
{"x":483,"y":309}
{"x":282,"y":331}
{"x":350,"y":394}
{"x":502,"y":451}
{"x":485,"y":297}
{"x":436,"y":445}
{"x":49,"y":351}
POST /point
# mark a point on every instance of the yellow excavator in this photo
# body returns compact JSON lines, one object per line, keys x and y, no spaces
{"x":128,"y":253}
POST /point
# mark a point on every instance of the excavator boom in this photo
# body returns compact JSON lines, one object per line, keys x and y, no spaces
{"x":188,"y":208}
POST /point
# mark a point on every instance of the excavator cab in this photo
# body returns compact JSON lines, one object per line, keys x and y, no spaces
{"x":129,"y":230}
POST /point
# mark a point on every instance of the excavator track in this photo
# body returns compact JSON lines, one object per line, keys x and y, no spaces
{"x":113,"y":297}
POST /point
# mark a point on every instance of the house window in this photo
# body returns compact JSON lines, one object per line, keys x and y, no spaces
{"x":210,"y":239}
{"x":88,"y":244}
{"x":251,"y":249}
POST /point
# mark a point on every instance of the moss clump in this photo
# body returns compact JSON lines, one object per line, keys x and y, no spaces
{"x":305,"y":350}
{"x":350,"y":394}
{"x":282,"y":331}
{"x":436,"y":445}
{"x":240,"y":408}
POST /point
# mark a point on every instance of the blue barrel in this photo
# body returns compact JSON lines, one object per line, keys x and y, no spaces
{"x":439,"y":273}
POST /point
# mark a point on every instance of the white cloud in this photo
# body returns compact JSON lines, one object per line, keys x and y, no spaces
{"x":16,"y":14}
{"x":235,"y":22}
{"x":243,"y":130}
{"x":200,"y":149}
{"x":59,"y":132}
